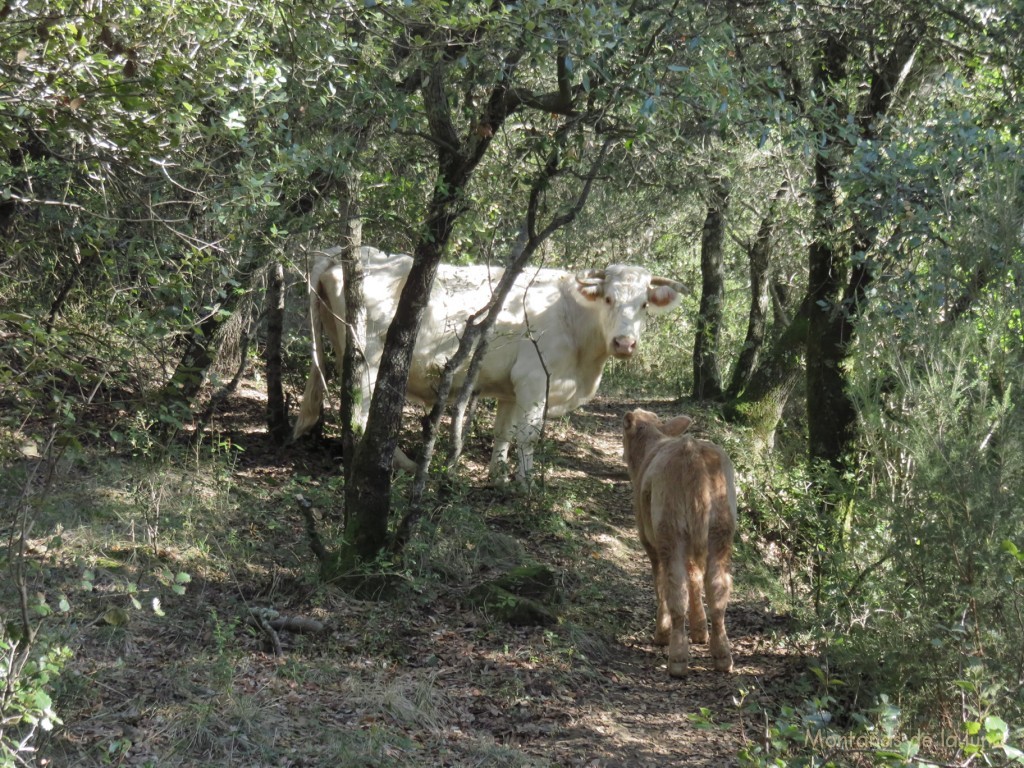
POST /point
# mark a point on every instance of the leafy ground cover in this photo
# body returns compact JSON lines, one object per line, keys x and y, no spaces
{"x":152,"y":567}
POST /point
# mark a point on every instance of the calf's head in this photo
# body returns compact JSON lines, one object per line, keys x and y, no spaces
{"x":624,"y":296}
{"x":641,"y":429}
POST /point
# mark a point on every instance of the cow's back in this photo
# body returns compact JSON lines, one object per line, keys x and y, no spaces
{"x":536,"y":333}
{"x":458,"y":293}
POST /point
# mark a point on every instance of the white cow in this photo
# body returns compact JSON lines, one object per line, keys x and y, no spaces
{"x":548,"y":346}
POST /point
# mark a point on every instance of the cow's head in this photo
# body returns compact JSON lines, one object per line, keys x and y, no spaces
{"x":624,"y":296}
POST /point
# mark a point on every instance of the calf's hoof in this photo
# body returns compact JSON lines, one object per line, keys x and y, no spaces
{"x":700,"y":638}
{"x":677,"y":668}
{"x":723,"y":663}
{"x":661,"y":638}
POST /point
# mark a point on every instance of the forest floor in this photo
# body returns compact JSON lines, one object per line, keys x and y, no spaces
{"x":415,"y":678}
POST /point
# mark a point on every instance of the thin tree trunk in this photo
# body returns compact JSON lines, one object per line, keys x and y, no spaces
{"x":831,"y":415}
{"x":353,"y":359}
{"x":759,"y":254}
{"x":190,"y":373}
{"x":707,"y":379}
{"x":277,"y":408}
{"x":473,"y":342}
{"x":78,"y":265}
{"x":368,"y":494}
{"x":761,"y":403}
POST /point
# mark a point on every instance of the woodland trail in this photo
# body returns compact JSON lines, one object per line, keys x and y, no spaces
{"x":637,"y":715}
{"x":420,"y":678}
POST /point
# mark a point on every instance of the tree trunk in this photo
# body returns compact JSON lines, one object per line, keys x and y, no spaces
{"x":190,"y":373}
{"x":277,"y":409}
{"x":831,"y":414}
{"x":353,"y":358}
{"x":761,"y":403}
{"x":368,"y":494}
{"x":707,"y":380}
{"x":757,"y":319}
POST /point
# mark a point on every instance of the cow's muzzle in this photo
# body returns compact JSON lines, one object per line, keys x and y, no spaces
{"x":623,"y":346}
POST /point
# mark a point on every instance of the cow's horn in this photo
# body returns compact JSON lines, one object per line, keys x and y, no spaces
{"x":590,"y":276}
{"x":675,"y":285}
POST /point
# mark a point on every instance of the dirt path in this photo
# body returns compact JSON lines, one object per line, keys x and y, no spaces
{"x":633,"y":713}
{"x":418,"y":680}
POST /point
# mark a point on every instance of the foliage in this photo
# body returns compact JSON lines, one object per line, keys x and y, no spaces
{"x":805,"y":736}
{"x":28,"y":680}
{"x":921,"y":585}
{"x":155,"y":157}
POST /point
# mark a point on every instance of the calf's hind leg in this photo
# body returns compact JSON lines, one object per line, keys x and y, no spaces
{"x":663,"y":621}
{"x":698,"y":620}
{"x":718,"y":583}
{"x":673,"y":575}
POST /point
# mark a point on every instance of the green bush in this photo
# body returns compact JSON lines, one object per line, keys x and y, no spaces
{"x":28,"y":670}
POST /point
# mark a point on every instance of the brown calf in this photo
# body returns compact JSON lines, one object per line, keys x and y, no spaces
{"x":684,"y":497}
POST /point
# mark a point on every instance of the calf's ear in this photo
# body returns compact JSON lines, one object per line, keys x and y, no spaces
{"x":628,"y":420}
{"x":677,"y":426}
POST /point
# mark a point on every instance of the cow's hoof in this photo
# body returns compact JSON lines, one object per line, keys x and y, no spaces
{"x":661,"y":638}
{"x":700,"y":638}
{"x":723,"y":663}
{"x":677,"y":668}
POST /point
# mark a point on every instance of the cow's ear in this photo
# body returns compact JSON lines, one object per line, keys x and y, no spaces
{"x":677,"y":426}
{"x":662,"y":298}
{"x":628,"y":420}
{"x":590,"y":292}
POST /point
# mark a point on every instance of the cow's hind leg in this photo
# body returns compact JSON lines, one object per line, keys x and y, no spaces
{"x":718,"y":583}
{"x":673,"y":575}
{"x":498,"y":468}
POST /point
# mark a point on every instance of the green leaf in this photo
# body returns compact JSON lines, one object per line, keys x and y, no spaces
{"x":1013,"y":754}
{"x":41,"y":700}
{"x":996,"y":729}
{"x":116,"y":617}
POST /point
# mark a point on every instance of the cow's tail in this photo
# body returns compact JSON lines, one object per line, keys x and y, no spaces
{"x":316,"y":384}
